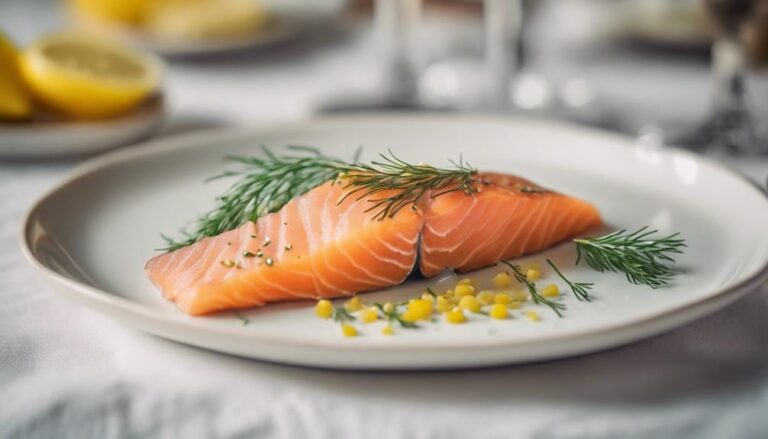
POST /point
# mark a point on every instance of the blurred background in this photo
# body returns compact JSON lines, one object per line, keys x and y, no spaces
{"x":641,"y":67}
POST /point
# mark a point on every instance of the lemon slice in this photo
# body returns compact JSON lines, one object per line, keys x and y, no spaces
{"x":88,"y":78}
{"x":15,"y":102}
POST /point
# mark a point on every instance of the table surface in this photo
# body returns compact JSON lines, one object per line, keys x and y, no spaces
{"x":68,"y":372}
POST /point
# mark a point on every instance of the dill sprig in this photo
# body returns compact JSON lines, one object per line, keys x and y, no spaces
{"x":265,"y":184}
{"x":393,"y":315}
{"x":579,"y":289}
{"x":641,"y":257}
{"x":341,"y":315}
{"x":535,"y":296}
{"x":409,"y":182}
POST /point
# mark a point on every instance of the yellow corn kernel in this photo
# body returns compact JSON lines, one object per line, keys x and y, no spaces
{"x":501,"y":298}
{"x":532,"y":266}
{"x":533,"y":274}
{"x":462,"y":290}
{"x":354,"y":304}
{"x":388,"y":330}
{"x":428,"y":297}
{"x":466,"y":281}
{"x":499,"y":312}
{"x":348,"y":330}
{"x":513,"y":305}
{"x":443,"y":304}
{"x":455,"y":316}
{"x":469,"y":303}
{"x":369,"y":315}
{"x":449,"y":292}
{"x":417,"y":309}
{"x":324,"y":309}
{"x":502,"y":280}
{"x":388,"y":307}
{"x":550,"y":290}
{"x":485,"y":297}
{"x":532,"y":315}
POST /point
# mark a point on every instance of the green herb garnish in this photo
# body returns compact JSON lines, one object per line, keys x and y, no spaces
{"x":535,"y":296}
{"x":393,"y":315}
{"x":341,"y":315}
{"x":641,"y":257}
{"x":265,"y":184}
{"x":579,"y":289}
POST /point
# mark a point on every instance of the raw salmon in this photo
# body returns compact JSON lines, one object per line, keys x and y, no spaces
{"x":315,"y":247}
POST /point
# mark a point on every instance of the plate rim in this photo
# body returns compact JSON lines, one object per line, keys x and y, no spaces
{"x":94,"y":298}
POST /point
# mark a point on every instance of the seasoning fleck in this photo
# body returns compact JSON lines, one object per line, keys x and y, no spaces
{"x":267,"y":241}
{"x":259,"y":253}
{"x":288,"y":247}
{"x":253,"y":236}
{"x":269,"y":262}
{"x":229,"y":263}
{"x":247,"y":254}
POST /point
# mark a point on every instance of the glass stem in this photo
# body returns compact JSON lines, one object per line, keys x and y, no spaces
{"x":395,"y":26}
{"x":729,"y":68}
{"x":503,"y":21}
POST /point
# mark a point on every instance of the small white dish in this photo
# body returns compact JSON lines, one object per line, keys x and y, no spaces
{"x":53,"y":139}
{"x":92,"y":234}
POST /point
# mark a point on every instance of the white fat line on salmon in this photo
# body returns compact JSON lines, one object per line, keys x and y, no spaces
{"x":543,"y":211}
{"x":490,"y":237}
{"x":361,"y":267}
{"x":192,"y":272}
{"x":459,"y":206}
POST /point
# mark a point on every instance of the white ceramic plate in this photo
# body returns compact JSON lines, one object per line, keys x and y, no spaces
{"x":91,"y":236}
{"x":36,"y":140}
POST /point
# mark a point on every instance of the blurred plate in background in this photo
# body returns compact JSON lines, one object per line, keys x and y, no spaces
{"x":58,"y":139}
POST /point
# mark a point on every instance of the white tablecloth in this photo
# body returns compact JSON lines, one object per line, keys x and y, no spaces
{"x":66,"y":372}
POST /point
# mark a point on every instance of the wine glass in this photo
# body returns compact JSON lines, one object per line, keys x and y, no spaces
{"x":741,"y":34}
{"x":403,"y":85}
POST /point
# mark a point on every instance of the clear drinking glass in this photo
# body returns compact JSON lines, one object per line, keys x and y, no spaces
{"x":741,"y":37}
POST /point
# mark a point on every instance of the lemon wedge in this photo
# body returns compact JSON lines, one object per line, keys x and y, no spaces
{"x":15,"y":102}
{"x":88,"y":78}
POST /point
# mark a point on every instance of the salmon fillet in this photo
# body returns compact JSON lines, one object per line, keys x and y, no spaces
{"x":315,"y":247}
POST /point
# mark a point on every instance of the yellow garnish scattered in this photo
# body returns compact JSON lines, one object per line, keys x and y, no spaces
{"x":466,"y":281}
{"x":513,"y":305}
{"x":417,"y":309}
{"x":501,"y":298}
{"x":533,"y":274}
{"x":348,"y":330}
{"x":502,"y":280}
{"x":443,"y":304}
{"x":354,"y":304}
{"x":388,"y":307}
{"x":428,"y":297}
{"x":324,"y":309}
{"x":455,"y":316}
{"x":532,"y":266}
{"x":369,"y":315}
{"x":462,"y":290}
{"x":499,"y":312}
{"x":550,"y":290}
{"x":388,"y":330}
{"x":485,"y":297}
{"x":469,"y":303}
{"x":532,"y":315}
